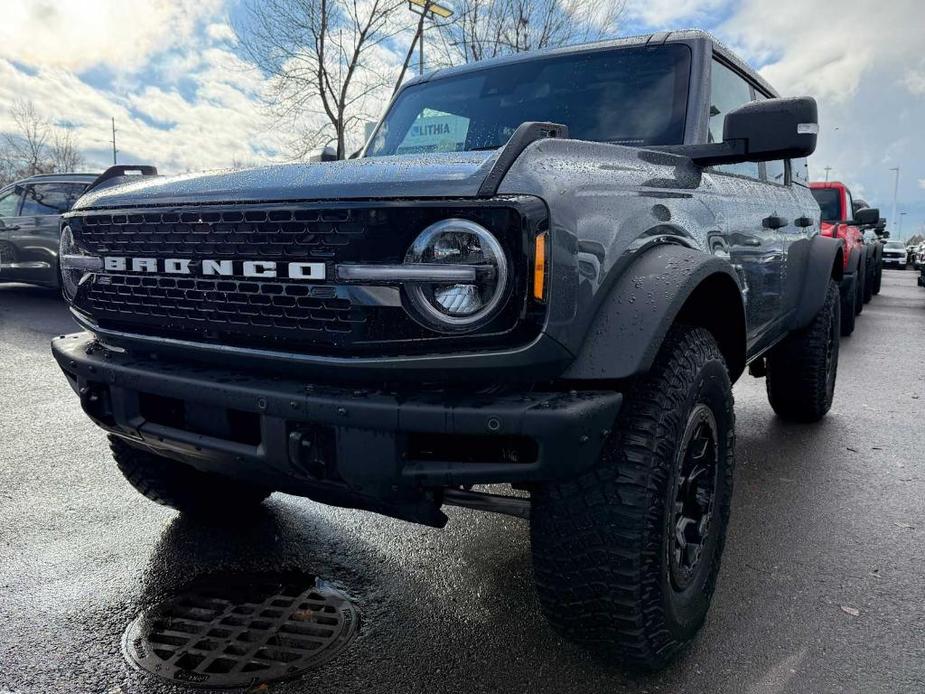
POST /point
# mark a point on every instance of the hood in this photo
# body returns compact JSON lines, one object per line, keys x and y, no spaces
{"x":455,"y":174}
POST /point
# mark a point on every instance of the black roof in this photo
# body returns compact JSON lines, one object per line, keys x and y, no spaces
{"x":683,"y":36}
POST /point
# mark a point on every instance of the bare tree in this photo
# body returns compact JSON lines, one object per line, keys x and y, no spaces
{"x":490,"y":28}
{"x":37,"y":146}
{"x":324,"y":62}
{"x":64,"y":153}
{"x":9,"y":167}
{"x":29,"y":144}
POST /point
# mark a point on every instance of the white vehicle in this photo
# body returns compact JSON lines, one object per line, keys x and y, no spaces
{"x":894,"y":255}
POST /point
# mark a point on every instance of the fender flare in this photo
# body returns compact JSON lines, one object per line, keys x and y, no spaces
{"x":854,"y":260}
{"x":823,"y":263}
{"x":644,"y":302}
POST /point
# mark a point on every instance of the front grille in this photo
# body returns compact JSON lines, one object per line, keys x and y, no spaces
{"x":277,"y":313}
{"x":276,"y":233}
{"x":235,"y":307}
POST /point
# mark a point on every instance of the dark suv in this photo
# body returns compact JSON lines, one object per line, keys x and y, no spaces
{"x":30,"y":229}
{"x":545,"y":270}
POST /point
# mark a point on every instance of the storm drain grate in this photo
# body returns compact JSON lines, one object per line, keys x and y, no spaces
{"x":236,"y":631}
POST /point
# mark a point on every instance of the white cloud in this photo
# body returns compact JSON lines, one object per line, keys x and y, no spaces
{"x":78,"y":35}
{"x":220,"y":31}
{"x":156,"y":124}
{"x":859,"y":60}
{"x":823,"y":50}
{"x":666,"y":14}
{"x":914,"y":80}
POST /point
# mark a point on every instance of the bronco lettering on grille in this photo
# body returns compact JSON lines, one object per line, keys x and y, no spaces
{"x":221,"y":268}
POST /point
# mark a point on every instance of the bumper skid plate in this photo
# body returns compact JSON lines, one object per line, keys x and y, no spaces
{"x":389,"y":452}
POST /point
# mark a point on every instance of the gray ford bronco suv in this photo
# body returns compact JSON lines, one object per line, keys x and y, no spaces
{"x":544,"y":271}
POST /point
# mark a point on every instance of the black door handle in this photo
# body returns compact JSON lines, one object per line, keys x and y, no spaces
{"x":10,"y":228}
{"x":773,"y":222}
{"x":803,"y":221}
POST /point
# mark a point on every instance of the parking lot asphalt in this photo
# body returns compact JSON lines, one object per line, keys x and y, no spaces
{"x":822,"y":587}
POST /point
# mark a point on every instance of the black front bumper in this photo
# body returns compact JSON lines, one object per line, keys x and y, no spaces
{"x":382,"y":451}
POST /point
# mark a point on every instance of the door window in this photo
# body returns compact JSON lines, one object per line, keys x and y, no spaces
{"x":799,"y":171}
{"x":775,"y":171}
{"x":849,"y":206}
{"x":728,"y":91}
{"x":9,"y":201}
{"x":50,"y":198}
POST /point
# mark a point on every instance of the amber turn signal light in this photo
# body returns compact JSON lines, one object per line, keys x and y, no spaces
{"x":539,"y":267}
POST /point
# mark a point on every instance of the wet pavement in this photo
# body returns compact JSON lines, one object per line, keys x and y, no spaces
{"x":822,"y":587}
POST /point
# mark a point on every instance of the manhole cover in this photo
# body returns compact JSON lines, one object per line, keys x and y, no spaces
{"x":237,"y":631}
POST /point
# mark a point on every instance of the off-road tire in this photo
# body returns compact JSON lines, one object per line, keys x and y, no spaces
{"x":846,"y":308}
{"x":172,"y":483}
{"x":869,"y":280}
{"x":603,"y":544}
{"x":878,"y":278}
{"x":802,"y":369}
{"x":861,"y":276}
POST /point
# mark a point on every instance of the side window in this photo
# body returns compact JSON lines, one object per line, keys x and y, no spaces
{"x":775,"y":171}
{"x":50,"y":198}
{"x":728,"y":91}
{"x":9,"y":201}
{"x":849,"y":206}
{"x":799,"y":171}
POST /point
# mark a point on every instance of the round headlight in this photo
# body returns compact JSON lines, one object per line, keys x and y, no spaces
{"x":458,"y":306}
{"x":69,"y":277}
{"x":73,"y":264}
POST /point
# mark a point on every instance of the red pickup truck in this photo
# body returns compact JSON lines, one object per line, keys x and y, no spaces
{"x":840,"y":221}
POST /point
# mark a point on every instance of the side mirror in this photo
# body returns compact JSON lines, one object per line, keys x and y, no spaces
{"x":867,"y":215}
{"x":764,"y":131}
{"x":884,"y":234}
{"x":326,"y":153}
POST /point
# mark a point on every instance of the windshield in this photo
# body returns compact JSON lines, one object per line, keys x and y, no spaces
{"x":629,"y":96}
{"x":895,"y":245}
{"x":829,"y":203}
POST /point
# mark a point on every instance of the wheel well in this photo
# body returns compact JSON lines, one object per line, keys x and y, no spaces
{"x":703,"y":309}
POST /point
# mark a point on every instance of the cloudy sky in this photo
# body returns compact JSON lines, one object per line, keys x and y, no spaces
{"x":183,"y":99}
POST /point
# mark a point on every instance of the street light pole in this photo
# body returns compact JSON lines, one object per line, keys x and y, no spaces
{"x":426,"y":8}
{"x":827,"y":169}
{"x":114,"y":150}
{"x":421,"y":45}
{"x":900,"y":232}
{"x":895,"y":192}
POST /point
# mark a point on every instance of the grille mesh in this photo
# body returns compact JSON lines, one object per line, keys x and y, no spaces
{"x":281,"y":233}
{"x":225,"y":304}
